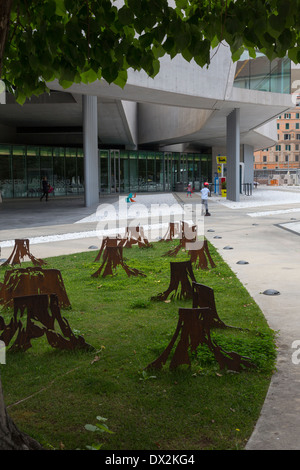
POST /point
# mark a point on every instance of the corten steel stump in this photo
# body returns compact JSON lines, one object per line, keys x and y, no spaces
{"x":136,"y":236}
{"x":171,"y":233}
{"x":182,"y":276}
{"x":20,"y":251}
{"x":204,"y":297}
{"x":35,"y":316}
{"x":30,"y":281}
{"x":193,"y":330}
{"x":200,"y":255}
{"x":188,"y":235}
{"x":112,"y":257}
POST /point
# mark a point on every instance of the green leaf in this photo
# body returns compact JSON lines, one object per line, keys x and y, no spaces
{"x":89,"y":76}
{"x":125,"y":15}
{"x":237,"y":54}
{"x":60,"y":8}
{"x":65,"y":83}
{"x":90,"y":427}
{"x":121,"y":79}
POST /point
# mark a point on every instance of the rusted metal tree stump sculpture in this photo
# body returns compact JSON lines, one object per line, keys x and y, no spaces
{"x":204,"y":297}
{"x":20,"y":251}
{"x":200,"y":254}
{"x":181,"y":274}
{"x":194,"y":326}
{"x":112,"y":256}
{"x":171,"y":233}
{"x":32,"y":319}
{"x":136,"y":236}
{"x":188,"y":235}
{"x":111,"y":242}
{"x":30,"y":281}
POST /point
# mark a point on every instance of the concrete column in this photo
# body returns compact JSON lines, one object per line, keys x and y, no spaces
{"x":233,"y":155}
{"x":90,"y":149}
{"x":249,"y":163}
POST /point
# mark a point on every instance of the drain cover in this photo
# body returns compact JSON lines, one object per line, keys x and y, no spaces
{"x":227,"y":248}
{"x":242,"y":262}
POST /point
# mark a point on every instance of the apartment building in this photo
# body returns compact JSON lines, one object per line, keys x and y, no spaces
{"x":285,"y":155}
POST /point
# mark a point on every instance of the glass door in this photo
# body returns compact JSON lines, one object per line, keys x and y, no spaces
{"x":115,"y":177}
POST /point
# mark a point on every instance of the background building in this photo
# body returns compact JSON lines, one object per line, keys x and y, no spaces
{"x":152,"y":135}
{"x":280,"y":163}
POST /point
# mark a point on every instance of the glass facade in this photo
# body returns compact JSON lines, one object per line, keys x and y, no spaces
{"x":120,"y":171}
{"x":262,"y":74}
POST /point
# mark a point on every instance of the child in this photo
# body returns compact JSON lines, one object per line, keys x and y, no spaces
{"x":204,"y":195}
{"x":189,"y":190}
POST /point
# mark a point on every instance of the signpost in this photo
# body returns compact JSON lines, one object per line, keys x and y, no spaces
{"x":221,"y":161}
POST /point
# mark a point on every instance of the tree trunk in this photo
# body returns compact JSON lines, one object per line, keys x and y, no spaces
{"x":5,"y":9}
{"x":10,"y":436}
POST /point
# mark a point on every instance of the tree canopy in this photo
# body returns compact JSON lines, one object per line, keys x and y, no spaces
{"x":77,"y":41}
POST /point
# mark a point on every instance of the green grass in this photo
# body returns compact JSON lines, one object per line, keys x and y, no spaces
{"x":53,"y":394}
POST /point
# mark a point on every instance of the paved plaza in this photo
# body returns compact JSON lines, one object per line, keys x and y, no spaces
{"x":262,"y":229}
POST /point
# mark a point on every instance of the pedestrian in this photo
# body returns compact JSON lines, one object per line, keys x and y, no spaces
{"x":204,"y":196}
{"x":45,"y":187}
{"x":189,"y":190}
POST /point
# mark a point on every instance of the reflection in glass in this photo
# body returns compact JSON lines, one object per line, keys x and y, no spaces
{"x":59,"y":173}
{"x":6,"y":185}
{"x":133,"y":171}
{"x":124,"y":172}
{"x":151,"y":169}
{"x":23,"y":167}
{"x":142,"y":171}
{"x":104,"y":157}
{"x":262,"y":75}
{"x":19,"y":172}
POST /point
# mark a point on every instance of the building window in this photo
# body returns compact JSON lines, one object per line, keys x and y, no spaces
{"x":288,"y":137}
{"x":298,"y":136}
{"x":287,"y":116}
{"x":287,"y":126}
{"x":287,"y":147}
{"x":297,"y":115}
{"x":296,"y":146}
{"x":297,"y":125}
{"x":276,"y":158}
{"x":286,"y":158}
{"x":278,"y":148}
{"x":264,"y":158}
{"x":261,"y":74}
{"x":296,"y":158}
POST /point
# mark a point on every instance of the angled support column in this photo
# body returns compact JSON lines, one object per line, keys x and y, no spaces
{"x":233,"y":155}
{"x":90,"y":149}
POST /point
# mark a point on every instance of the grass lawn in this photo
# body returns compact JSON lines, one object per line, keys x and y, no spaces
{"x":52,"y":394}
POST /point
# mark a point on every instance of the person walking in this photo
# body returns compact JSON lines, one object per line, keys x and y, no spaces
{"x":204,"y":196}
{"x":45,"y":187}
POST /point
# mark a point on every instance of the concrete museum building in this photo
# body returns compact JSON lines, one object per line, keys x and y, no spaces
{"x":155,"y":135}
